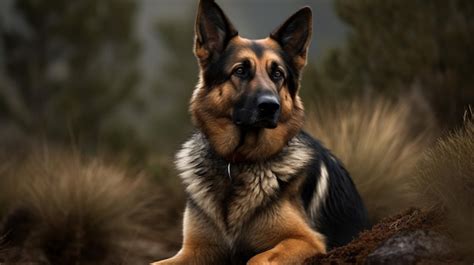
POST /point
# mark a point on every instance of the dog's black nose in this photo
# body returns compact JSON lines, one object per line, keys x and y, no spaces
{"x":257,"y":111}
{"x":268,"y":106}
{"x":268,"y":110}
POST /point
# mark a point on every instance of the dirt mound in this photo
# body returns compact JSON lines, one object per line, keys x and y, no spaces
{"x":407,"y":224}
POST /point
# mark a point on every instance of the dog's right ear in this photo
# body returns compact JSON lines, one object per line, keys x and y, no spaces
{"x":213,"y":31}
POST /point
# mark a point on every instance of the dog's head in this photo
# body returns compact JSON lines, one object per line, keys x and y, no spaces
{"x":247,"y":101}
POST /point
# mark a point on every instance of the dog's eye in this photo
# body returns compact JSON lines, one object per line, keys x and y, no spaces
{"x":277,"y":75}
{"x":240,"y":71}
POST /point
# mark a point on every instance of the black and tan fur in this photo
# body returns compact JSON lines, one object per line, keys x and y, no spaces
{"x":260,"y":190}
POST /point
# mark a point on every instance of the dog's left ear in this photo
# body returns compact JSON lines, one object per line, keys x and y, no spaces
{"x":213,"y":31}
{"x":294,"y":35}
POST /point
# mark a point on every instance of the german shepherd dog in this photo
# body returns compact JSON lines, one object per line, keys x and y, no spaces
{"x":260,"y":190}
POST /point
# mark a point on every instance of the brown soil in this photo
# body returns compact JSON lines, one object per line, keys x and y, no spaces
{"x":357,"y":251}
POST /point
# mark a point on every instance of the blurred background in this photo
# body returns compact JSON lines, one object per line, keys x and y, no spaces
{"x":112,"y":78}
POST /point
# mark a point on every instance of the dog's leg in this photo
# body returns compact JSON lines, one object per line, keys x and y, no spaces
{"x":291,"y":251}
{"x":202,"y":244}
{"x":294,"y":240}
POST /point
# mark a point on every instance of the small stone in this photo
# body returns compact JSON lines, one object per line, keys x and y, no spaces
{"x":408,"y":247}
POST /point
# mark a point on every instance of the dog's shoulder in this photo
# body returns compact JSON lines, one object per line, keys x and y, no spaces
{"x":330,"y":197}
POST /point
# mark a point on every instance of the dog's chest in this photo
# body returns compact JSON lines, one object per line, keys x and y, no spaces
{"x":247,"y":188}
{"x":231,"y":200}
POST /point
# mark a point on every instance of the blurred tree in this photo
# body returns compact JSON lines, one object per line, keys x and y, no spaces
{"x":404,"y":47}
{"x":174,"y":82}
{"x":67,"y":67}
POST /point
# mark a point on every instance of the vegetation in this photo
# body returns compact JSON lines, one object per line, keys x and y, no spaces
{"x":445,"y":181}
{"x":375,"y":141}
{"x":175,"y":82}
{"x":64,"y":208}
{"x":405,"y":49}
{"x":67,"y":68}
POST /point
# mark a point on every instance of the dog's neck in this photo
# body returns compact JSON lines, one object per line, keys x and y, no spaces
{"x":197,"y":153}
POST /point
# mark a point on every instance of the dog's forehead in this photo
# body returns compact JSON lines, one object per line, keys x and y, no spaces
{"x":267,"y":48}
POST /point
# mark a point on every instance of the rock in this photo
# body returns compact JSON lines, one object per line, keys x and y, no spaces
{"x":409,"y":247}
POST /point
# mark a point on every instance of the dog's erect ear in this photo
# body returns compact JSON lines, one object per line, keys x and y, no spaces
{"x":294,"y":35}
{"x":213,"y":30}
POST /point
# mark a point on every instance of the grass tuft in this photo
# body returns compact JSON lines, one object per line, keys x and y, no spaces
{"x":445,"y":181}
{"x":60,"y":207}
{"x":379,"y":146}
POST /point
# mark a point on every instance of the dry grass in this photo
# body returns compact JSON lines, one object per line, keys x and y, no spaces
{"x":445,"y":180}
{"x":64,"y":208}
{"x":379,"y":147}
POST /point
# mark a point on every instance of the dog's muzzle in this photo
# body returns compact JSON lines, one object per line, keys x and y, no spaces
{"x":262,"y":112}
